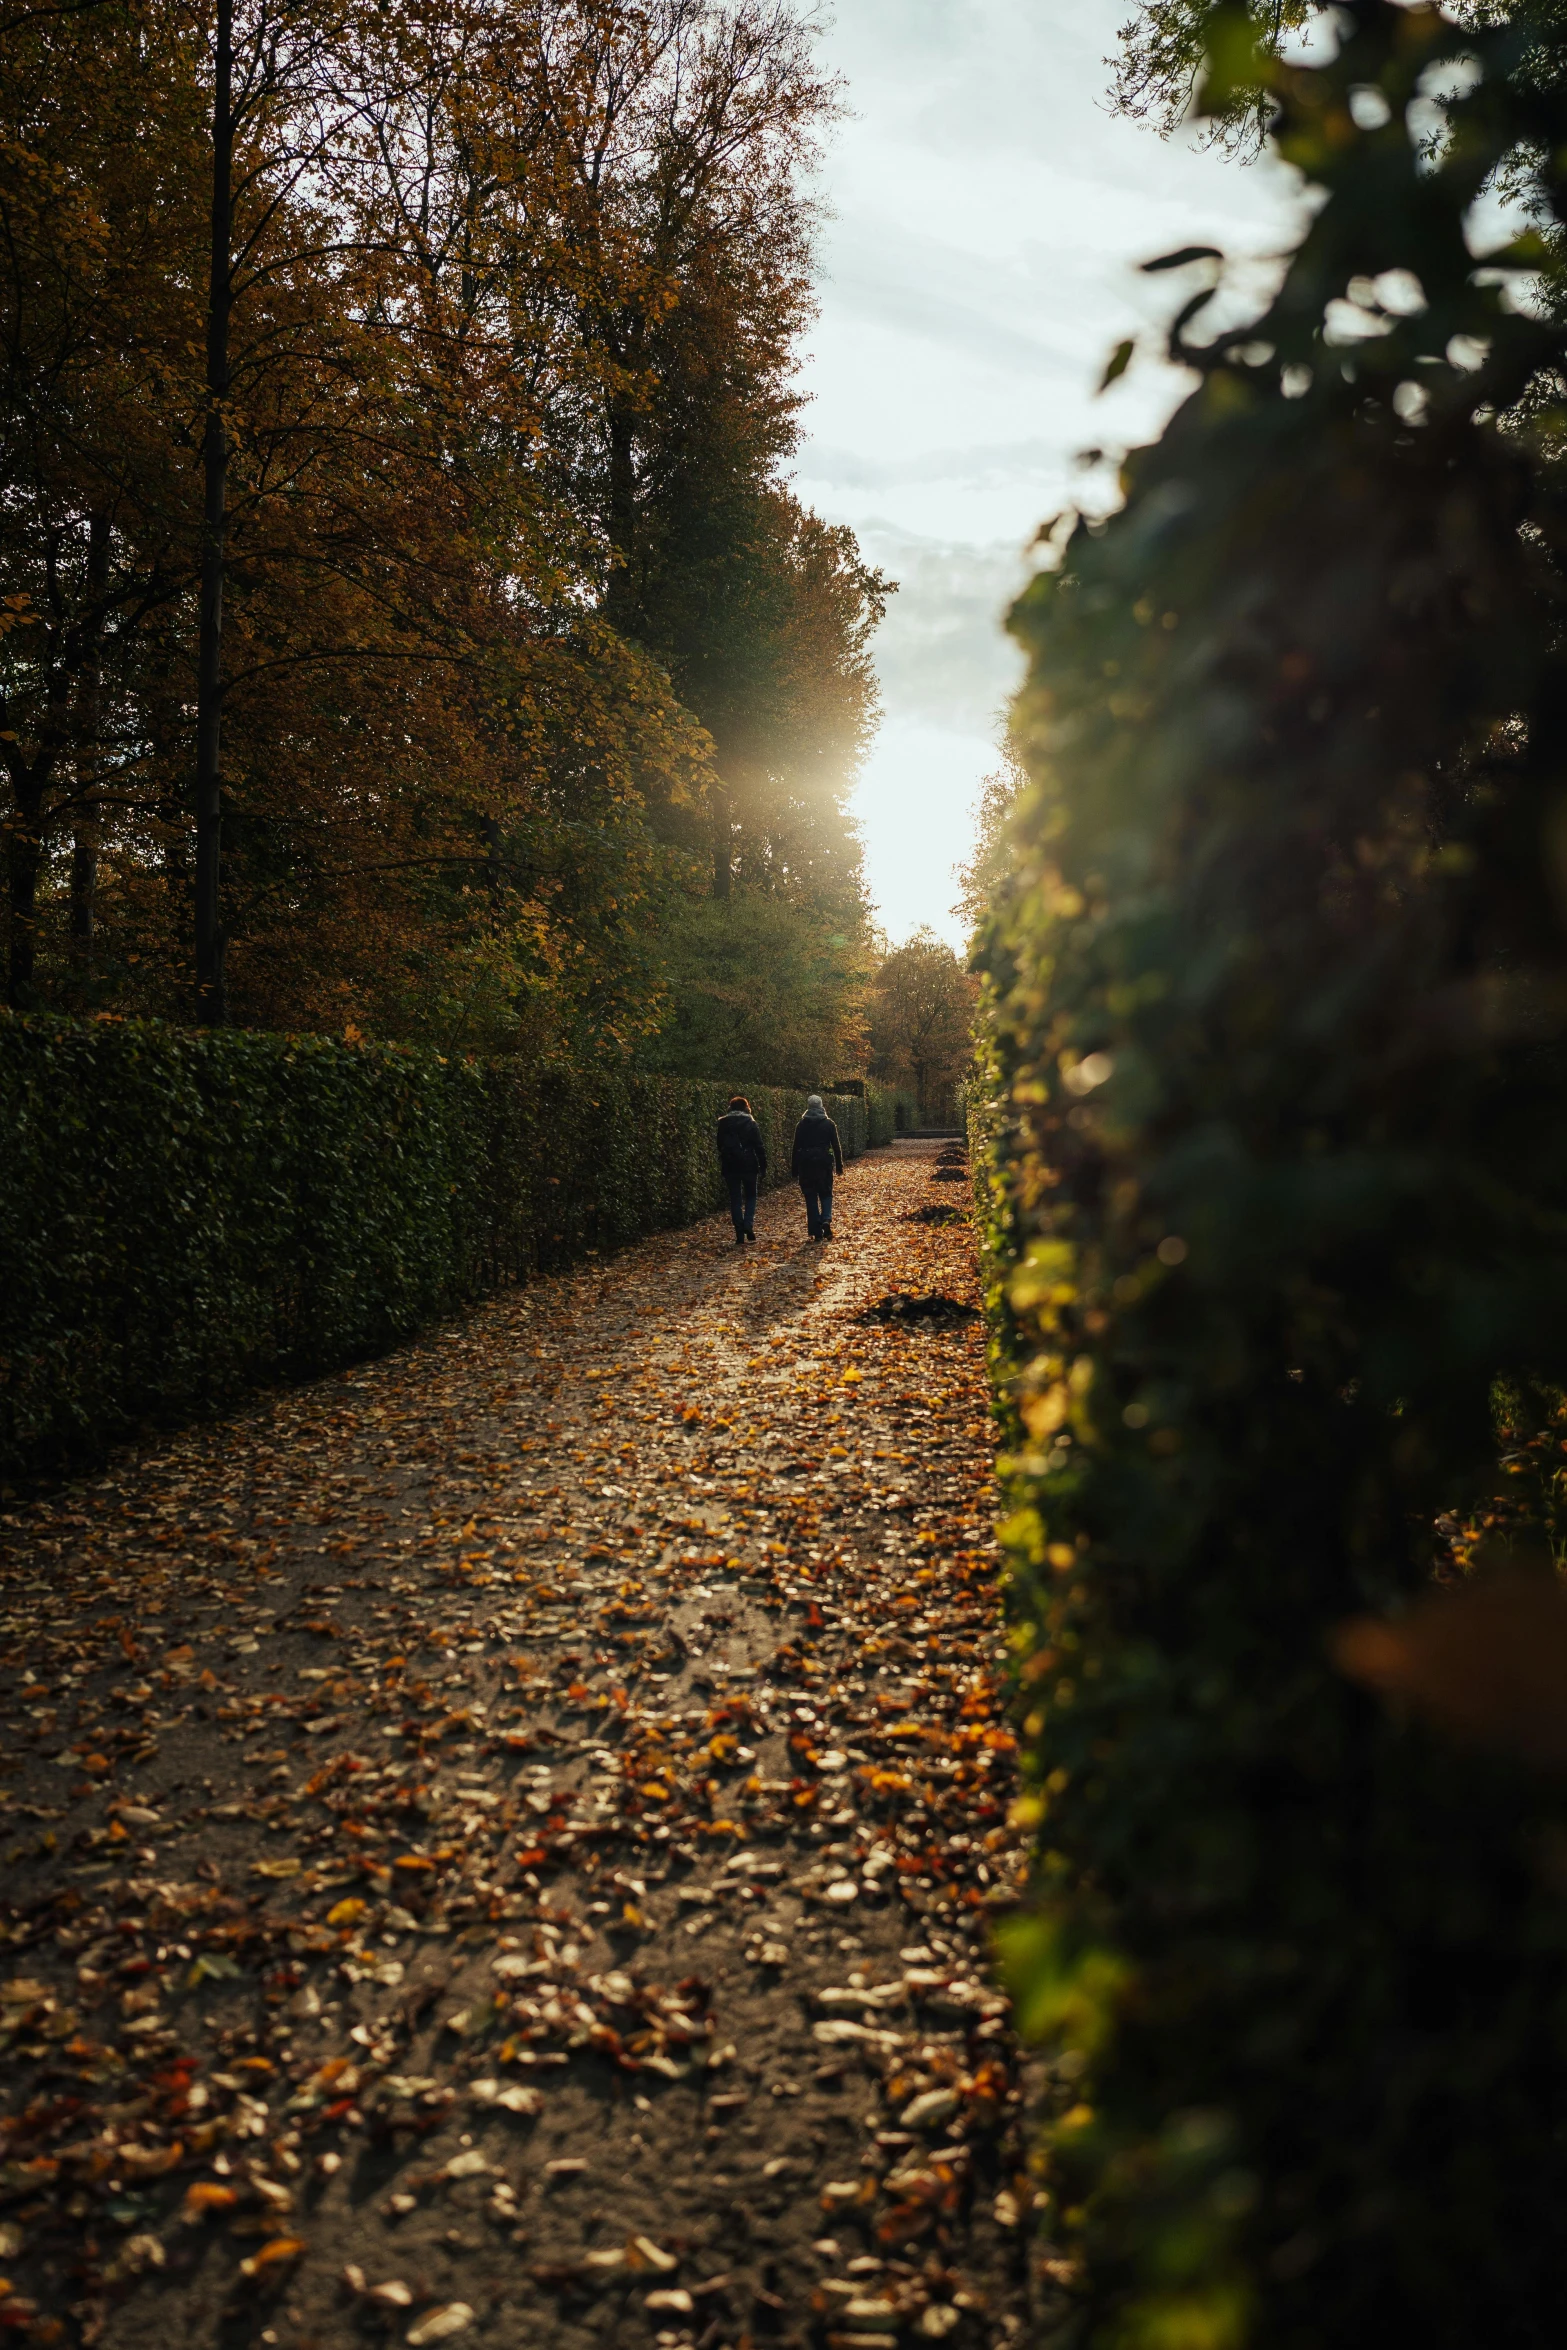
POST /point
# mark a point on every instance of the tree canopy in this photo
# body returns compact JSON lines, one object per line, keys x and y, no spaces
{"x":526,"y":648}
{"x":922,"y":1017}
{"x":982,"y":877}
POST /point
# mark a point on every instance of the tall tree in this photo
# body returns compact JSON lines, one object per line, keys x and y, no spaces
{"x":684,"y":136}
{"x":765,"y":616}
{"x":94,"y":340}
{"x":922,"y":1018}
{"x":354,"y":428}
{"x":277,"y":118}
{"x":214,"y":520}
{"x":982,"y":877}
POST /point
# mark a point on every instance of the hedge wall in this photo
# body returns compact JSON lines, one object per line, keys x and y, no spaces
{"x":183,"y":1214}
{"x":1277,"y":1188}
{"x":889,"y":1110}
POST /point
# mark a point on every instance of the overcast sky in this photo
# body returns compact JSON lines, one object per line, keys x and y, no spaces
{"x":980,"y":265}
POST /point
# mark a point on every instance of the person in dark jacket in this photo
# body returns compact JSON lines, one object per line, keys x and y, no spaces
{"x":742,"y":1155}
{"x":817,"y":1151}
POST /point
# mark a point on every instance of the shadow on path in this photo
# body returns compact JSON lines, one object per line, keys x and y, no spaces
{"x":503,"y":1839}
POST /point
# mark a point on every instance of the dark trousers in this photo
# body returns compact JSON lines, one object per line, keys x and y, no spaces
{"x":818,"y":1202}
{"x":742,"y":1200}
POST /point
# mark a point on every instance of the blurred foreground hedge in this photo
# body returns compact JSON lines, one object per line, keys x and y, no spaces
{"x":182,"y":1214}
{"x":1277,"y":1189}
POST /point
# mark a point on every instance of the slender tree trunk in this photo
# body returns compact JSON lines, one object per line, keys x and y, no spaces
{"x":209,"y":660}
{"x":84,"y":898}
{"x":24,"y":850}
{"x":86,"y":834}
{"x":723,"y":846}
{"x":620,"y":599}
{"x":492,"y":870}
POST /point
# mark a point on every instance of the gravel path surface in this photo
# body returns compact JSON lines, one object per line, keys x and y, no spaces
{"x":502,"y":1841}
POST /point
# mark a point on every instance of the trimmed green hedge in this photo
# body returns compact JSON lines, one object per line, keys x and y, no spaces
{"x":881,"y":1115}
{"x":888,"y":1111}
{"x":182,"y":1214}
{"x":1277,"y":1187}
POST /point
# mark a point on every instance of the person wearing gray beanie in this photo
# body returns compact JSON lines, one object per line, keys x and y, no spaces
{"x":817,"y":1153}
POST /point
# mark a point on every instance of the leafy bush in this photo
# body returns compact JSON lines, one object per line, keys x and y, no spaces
{"x":1277,"y":1186}
{"x":186,"y":1213}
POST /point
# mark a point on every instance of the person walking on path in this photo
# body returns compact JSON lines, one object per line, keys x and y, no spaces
{"x":817,"y":1151}
{"x":742,"y":1155}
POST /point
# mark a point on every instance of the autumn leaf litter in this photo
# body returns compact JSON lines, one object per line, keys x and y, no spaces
{"x":502,"y":1842}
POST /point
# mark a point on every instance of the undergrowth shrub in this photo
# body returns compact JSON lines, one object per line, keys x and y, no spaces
{"x":183,"y":1214}
{"x":1276,"y":1188}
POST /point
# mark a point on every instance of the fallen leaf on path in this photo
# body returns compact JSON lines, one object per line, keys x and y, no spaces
{"x":453,"y":2317}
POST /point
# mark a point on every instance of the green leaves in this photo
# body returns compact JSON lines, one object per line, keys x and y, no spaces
{"x":1272,"y":1196}
{"x":1061,"y":1997}
{"x":186,"y":1215}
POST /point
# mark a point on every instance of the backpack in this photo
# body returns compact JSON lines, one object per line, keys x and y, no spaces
{"x":736,"y":1148}
{"x":817,"y":1156}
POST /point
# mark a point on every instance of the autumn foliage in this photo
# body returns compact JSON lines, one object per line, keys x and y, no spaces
{"x":527,"y":653}
{"x":569,"y":1741}
{"x":922,"y":1024}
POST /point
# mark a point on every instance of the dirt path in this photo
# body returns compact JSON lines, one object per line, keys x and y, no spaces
{"x":502,"y":1841}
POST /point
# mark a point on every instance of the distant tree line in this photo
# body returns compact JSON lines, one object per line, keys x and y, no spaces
{"x":922,"y":1024}
{"x":406,"y":623}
